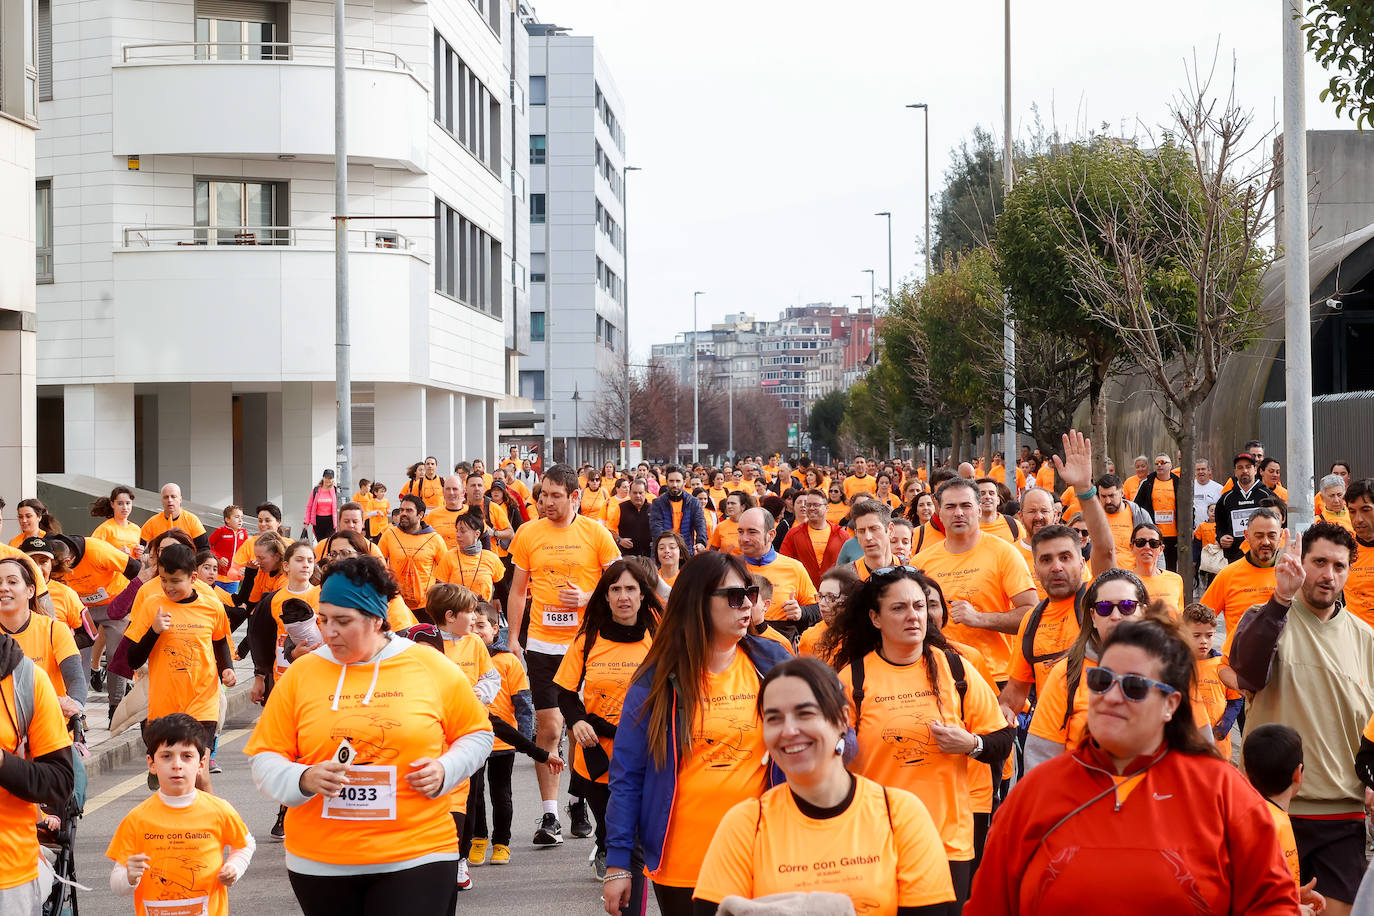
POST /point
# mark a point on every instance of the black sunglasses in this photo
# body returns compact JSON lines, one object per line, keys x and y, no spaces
{"x":1127,"y":607}
{"x":1134,"y":687}
{"x":1147,"y":542}
{"x":735,"y":595}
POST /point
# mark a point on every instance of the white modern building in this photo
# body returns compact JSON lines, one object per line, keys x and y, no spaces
{"x":577,"y":235}
{"x":186,"y":323}
{"x":19,"y":202}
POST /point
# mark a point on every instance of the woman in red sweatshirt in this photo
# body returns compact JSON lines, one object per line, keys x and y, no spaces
{"x":1143,"y":816}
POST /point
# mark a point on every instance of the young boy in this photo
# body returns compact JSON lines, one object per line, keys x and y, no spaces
{"x":1211,"y":698}
{"x":757,"y":625}
{"x":378,"y":511}
{"x":225,"y":542}
{"x":169,"y":850}
{"x":182,"y":634}
{"x":1272,"y":755}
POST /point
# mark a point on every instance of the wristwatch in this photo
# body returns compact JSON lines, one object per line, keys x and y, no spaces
{"x":977,"y":750}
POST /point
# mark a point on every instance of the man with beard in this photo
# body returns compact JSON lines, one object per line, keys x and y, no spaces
{"x":632,"y":522}
{"x":1122,"y":514}
{"x":1359,"y":588}
{"x":1250,"y":580}
{"x":1238,"y":505}
{"x":678,"y":511}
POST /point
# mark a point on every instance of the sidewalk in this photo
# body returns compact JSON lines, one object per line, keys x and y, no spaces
{"x":109,"y":752}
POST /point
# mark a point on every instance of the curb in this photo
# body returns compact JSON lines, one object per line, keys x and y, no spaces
{"x":128,"y":745}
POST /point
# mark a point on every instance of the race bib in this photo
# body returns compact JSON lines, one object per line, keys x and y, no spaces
{"x":369,"y":796}
{"x":282,"y":661}
{"x":1165,"y":518}
{"x":99,"y":596}
{"x":559,"y":616}
{"x":1240,"y":520}
{"x":195,"y":906}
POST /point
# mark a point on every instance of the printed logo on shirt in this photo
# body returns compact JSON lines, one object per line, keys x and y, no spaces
{"x":367,"y":733}
{"x":725,"y":738}
{"x":910,"y":740}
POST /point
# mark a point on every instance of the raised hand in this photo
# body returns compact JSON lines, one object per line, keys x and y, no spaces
{"x":1076,"y":467}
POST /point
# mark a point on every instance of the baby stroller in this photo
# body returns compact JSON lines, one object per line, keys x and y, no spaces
{"x":59,"y":844}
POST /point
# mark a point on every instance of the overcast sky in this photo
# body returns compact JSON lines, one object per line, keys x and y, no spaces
{"x":770,"y":132}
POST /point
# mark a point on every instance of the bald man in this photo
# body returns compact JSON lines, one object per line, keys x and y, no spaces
{"x":173,"y":516}
{"x":795,"y":604}
{"x":966,"y":470}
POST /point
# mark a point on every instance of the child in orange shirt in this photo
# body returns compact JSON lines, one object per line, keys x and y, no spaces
{"x":377,"y":512}
{"x":1213,"y":698}
{"x":1273,"y":763}
{"x":170,"y":849}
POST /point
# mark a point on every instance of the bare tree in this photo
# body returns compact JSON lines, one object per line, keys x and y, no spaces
{"x":1174,"y":263}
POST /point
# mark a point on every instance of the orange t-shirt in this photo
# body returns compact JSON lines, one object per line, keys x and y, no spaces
{"x":810,"y":640}
{"x":186,"y":521}
{"x":478,"y":574}
{"x":48,"y":643}
{"x":100,"y":574}
{"x":896,"y":747}
{"x":725,"y":766}
{"x":310,"y":596}
{"x":1163,"y":501}
{"x":835,"y":512}
{"x":725,"y":537}
{"x":594,"y":504}
{"x":1206,"y":533}
{"x":988,"y":577}
{"x":513,"y":680}
{"x":925,"y":537}
{"x":185,"y":847}
{"x":445,"y":522}
{"x":66,"y":604}
{"x":124,"y":536}
{"x":1131,"y":485}
{"x":429,"y":489}
{"x":1057,"y":630}
{"x":1287,"y":842}
{"x":1053,"y":700}
{"x":1166,"y":586}
{"x":998,"y":527}
{"x":554,"y":556}
{"x":610,"y":668}
{"x":820,"y":539}
{"x":470,"y":654}
{"x":854,"y":484}
{"x":1210,"y":697}
{"x":1236,"y":589}
{"x":883,"y":851}
{"x":47,"y":733}
{"x":182,"y":673}
{"x":790,"y":580}
{"x":378,"y":523}
{"x":1121,"y":523}
{"x":411,"y":559}
{"x":419,"y":703}
{"x":1045,"y":476}
{"x":1359,"y":586}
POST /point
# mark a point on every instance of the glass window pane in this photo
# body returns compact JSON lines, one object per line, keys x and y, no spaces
{"x":538,"y":90}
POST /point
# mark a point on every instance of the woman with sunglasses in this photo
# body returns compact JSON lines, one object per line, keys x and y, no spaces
{"x":836,"y":509}
{"x":688,"y":746}
{"x":1143,"y":810}
{"x":617,"y":630}
{"x":919,"y":711}
{"x":1061,"y":710}
{"x":1147,"y":544}
{"x":885,"y":853}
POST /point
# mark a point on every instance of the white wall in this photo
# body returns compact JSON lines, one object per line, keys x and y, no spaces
{"x":18,"y":392}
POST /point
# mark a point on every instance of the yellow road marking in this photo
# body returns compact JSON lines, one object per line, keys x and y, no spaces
{"x":116,"y":792}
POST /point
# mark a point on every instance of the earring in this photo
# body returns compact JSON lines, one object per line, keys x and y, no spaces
{"x":839,"y":746}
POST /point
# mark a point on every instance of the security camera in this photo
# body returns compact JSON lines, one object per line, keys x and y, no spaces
{"x":1335,"y":304}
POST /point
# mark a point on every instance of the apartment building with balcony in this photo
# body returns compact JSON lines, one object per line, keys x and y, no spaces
{"x":19,"y":257}
{"x":186,"y":324}
{"x":577,"y":238}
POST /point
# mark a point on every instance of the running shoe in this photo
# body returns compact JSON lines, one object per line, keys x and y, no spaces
{"x":549,"y":832}
{"x":215,"y":768}
{"x":500,"y":855}
{"x":599,"y":864}
{"x":478,"y":854}
{"x":97,"y":679}
{"x":464,"y":879}
{"x":579,"y":821}
{"x":278,"y":831}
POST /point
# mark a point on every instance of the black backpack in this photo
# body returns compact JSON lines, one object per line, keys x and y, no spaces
{"x":1033,"y":624}
{"x":956,"y":669}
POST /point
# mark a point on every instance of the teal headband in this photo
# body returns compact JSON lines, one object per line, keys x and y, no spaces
{"x":341,"y":591}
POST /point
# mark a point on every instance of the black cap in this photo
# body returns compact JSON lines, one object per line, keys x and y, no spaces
{"x":328,"y":472}
{"x":36,"y":545}
{"x":1243,"y":456}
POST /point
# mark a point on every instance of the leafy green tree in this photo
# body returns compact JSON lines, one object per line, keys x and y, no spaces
{"x":1341,"y":35}
{"x":827,"y":415}
{"x":965,"y":212}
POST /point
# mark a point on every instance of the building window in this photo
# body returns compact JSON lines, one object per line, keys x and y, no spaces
{"x":539,"y":265}
{"x":536,"y":208}
{"x":239,"y":212}
{"x":467,"y":261}
{"x":536,"y":326}
{"x":239,"y":30}
{"x":45,"y":50}
{"x":538,"y":150}
{"x":464,"y":107}
{"x":538,"y":90}
{"x":43,"y":230}
{"x":532,"y":384}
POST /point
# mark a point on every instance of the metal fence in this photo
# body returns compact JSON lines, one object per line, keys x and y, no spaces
{"x":1344,"y":431}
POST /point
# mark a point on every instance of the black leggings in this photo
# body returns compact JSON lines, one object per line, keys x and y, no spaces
{"x":673,"y":901}
{"x":324,"y":526}
{"x":496,"y":774}
{"x":428,"y":890}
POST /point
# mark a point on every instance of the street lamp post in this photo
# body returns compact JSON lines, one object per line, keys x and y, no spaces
{"x":549,"y":32}
{"x":343,"y":358}
{"x":577,"y":427}
{"x":696,"y":383}
{"x":891,"y":442}
{"x":625,"y":291}
{"x":872,"y":290}
{"x":1008,"y":326}
{"x":925,"y":108}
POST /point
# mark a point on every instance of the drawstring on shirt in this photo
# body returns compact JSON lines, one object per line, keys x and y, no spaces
{"x":343,"y":672}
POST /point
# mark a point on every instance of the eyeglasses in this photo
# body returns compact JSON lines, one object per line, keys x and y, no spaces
{"x":1127,"y":607}
{"x":822,"y":596}
{"x":1133,"y":686}
{"x":893,"y":570}
{"x":735,"y":595}
{"x":1147,"y":542}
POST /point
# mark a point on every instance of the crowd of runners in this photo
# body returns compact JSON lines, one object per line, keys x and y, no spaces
{"x":870,"y":687}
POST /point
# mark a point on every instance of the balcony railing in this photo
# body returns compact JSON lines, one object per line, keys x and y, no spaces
{"x":257,"y":52}
{"x":314,"y":238}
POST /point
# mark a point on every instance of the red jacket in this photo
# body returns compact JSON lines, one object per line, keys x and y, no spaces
{"x":797,"y":545}
{"x":1185,"y":836}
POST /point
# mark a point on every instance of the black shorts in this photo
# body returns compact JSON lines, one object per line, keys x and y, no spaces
{"x":1332,"y":851}
{"x":542,"y":667}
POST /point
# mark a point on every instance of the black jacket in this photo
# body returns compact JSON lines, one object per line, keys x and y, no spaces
{"x":1233,"y":500}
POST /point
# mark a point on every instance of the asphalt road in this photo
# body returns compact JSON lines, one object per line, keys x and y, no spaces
{"x":538,"y":881}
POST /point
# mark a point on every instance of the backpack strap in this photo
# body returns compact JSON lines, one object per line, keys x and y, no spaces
{"x":588,"y":640}
{"x":920,"y":539}
{"x":23,"y":704}
{"x":856,"y":677}
{"x":956,"y":670}
{"x":1028,"y":639}
{"x":1012,"y":526}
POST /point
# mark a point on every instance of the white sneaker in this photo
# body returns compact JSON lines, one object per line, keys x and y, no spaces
{"x":464,"y":880}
